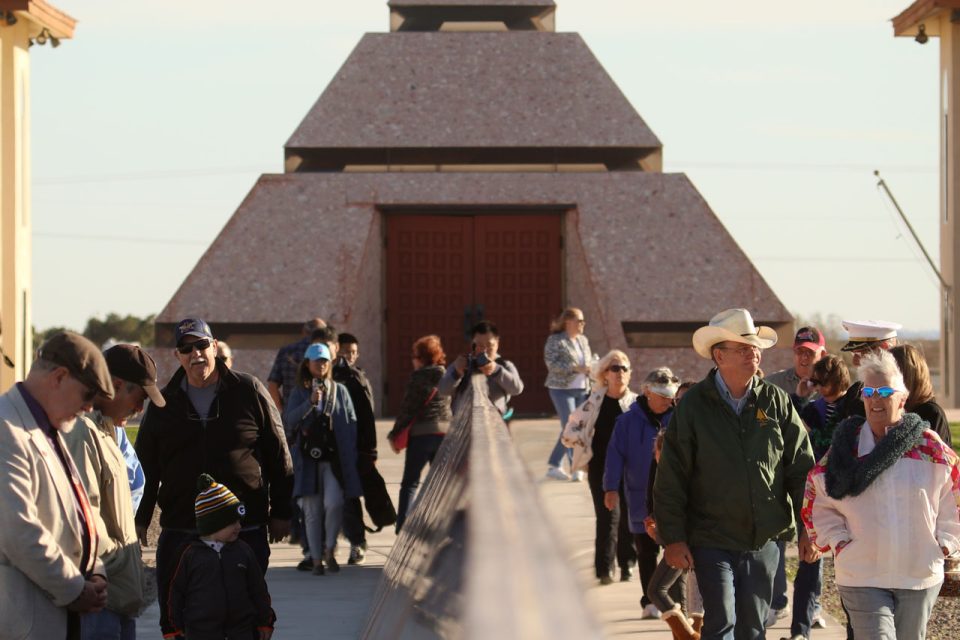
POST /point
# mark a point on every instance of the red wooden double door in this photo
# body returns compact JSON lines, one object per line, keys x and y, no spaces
{"x":447,"y":272}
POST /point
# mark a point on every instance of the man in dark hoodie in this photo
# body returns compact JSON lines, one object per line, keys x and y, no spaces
{"x":217,"y":421}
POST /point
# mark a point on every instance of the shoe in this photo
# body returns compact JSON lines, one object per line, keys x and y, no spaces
{"x":775,"y":615}
{"x":556,"y":473}
{"x":626,"y":574}
{"x":332,"y":565}
{"x":794,"y":637}
{"x":578,"y":476}
{"x":819,"y":623}
{"x":318,"y":569}
{"x":650,"y":612}
{"x":606,"y":579}
{"x":696,"y":621}
{"x":357,"y":555}
{"x":305,"y":565}
{"x":679,"y":624}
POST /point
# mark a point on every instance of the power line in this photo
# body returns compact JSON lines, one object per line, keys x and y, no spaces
{"x":109,"y":238}
{"x":146,"y":175}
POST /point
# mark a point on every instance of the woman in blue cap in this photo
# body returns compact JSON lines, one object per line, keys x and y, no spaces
{"x":321,"y":428}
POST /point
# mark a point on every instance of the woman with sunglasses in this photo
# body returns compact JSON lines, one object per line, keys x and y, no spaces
{"x":630,"y":457}
{"x":884,"y":499}
{"x":588,"y":433}
{"x":568,"y":358}
{"x":321,"y":427}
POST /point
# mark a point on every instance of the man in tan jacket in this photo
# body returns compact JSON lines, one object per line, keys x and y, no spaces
{"x":94,"y":446}
{"x":49,"y":565}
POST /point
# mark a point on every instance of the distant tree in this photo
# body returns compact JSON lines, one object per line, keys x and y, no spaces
{"x":39,"y":337}
{"x":128,"y":328}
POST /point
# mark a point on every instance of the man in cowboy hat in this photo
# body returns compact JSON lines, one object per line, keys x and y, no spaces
{"x":734,"y":451}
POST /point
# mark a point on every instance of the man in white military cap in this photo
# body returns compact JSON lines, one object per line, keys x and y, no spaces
{"x":864,"y":336}
{"x":734,"y":450}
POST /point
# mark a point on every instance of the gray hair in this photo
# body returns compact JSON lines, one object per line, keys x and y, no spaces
{"x":882,"y":363}
{"x":601,"y":365}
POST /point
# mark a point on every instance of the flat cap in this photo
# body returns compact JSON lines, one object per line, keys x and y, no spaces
{"x":82,"y":359}
{"x":131,"y":363}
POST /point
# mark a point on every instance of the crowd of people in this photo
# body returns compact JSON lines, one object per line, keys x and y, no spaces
{"x":720,"y":474}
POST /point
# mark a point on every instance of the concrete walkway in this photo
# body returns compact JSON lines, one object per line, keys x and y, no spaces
{"x":334,"y":607}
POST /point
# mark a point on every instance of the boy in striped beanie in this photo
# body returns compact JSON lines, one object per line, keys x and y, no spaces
{"x":218,"y":590}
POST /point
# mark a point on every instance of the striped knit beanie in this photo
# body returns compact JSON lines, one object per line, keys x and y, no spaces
{"x":216,"y":506}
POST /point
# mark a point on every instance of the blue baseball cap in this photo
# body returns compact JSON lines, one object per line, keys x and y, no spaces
{"x":317,"y":351}
{"x":193,"y":327}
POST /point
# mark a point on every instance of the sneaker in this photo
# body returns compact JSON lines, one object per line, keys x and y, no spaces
{"x":626,"y":574}
{"x":819,"y":622}
{"x":332,"y":565}
{"x":578,"y":476}
{"x":556,"y":473}
{"x":650,"y":612}
{"x":606,"y":579}
{"x":318,"y":570}
{"x":775,"y":615}
{"x":357,"y":555}
{"x":305,"y":565}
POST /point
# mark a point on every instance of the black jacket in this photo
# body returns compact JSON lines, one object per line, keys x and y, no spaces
{"x":361,"y":393}
{"x":219,"y":595}
{"x":242,"y":445}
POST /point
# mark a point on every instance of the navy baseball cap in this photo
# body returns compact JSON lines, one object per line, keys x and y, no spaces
{"x":193,"y":327}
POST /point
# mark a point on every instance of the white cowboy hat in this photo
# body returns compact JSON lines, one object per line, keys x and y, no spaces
{"x":733,"y":325}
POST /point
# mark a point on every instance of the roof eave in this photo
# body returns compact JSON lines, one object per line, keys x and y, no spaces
{"x":59,"y":24}
{"x":920,"y":12}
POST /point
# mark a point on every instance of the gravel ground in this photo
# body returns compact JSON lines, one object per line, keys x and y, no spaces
{"x":944,"y":622}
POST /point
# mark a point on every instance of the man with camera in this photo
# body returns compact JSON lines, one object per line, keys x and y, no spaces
{"x":503,"y":381}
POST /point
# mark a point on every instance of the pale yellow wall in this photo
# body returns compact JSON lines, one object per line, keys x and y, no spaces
{"x":15,"y":224}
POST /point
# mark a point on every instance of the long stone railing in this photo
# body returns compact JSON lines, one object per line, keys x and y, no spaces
{"x":477,"y":557}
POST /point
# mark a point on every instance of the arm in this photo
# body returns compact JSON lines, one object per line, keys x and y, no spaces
{"x":557,"y":357}
{"x":148,"y":452}
{"x":449,"y":382}
{"x":24,"y":539}
{"x":274,"y":454}
{"x":414,"y":397}
{"x":134,"y":470}
{"x":366,"y":422}
{"x":176,"y":600}
{"x":826,"y":527}
{"x":797,"y":459}
{"x":82,"y":445}
{"x":948,"y":513}
{"x":507,"y":377}
{"x":275,"y":380}
{"x":616,"y":456}
{"x":676,"y":467}
{"x":298,"y":407}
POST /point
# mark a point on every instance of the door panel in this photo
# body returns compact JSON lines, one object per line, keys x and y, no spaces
{"x":444,"y":273}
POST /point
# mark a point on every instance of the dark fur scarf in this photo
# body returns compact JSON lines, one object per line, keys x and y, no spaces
{"x":848,"y":476}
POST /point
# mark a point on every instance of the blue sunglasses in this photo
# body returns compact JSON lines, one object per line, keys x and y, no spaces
{"x":883,"y":392}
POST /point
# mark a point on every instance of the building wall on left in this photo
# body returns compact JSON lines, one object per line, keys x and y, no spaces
{"x":15,"y":223}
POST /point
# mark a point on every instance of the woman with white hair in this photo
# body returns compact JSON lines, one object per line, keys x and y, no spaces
{"x":588,"y":433}
{"x":630,"y":459}
{"x":885,"y":498}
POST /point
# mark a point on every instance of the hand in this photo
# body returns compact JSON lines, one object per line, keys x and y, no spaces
{"x":93,"y":598}
{"x":142,"y":535}
{"x":946,"y":551}
{"x":279,"y":529}
{"x":488,"y":368}
{"x":393,"y":446}
{"x":805,"y":388}
{"x":266,"y":634}
{"x":315,"y":396}
{"x":611,"y":499}
{"x":585,"y":368}
{"x":460,"y":364}
{"x":678,"y":556}
{"x":808,"y":552}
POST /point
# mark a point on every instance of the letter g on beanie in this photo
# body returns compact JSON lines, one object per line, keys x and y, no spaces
{"x":216,"y":506}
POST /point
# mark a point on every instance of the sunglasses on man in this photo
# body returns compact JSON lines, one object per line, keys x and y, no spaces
{"x":188,"y":347}
{"x":883,"y":392}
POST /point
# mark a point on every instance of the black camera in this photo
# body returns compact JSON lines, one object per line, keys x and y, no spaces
{"x":474,"y":362}
{"x":318,"y":437}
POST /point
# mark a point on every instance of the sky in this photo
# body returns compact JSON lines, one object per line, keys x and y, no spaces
{"x":152,"y":124}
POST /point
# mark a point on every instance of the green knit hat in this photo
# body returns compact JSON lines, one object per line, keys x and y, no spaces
{"x":216,"y":506}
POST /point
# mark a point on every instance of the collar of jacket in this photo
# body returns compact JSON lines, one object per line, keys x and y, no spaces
{"x":848,"y":475}
{"x":714,"y":394}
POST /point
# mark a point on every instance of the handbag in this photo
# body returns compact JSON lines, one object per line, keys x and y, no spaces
{"x":402,"y":437}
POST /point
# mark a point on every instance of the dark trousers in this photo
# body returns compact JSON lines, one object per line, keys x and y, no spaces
{"x":612,"y":536}
{"x":420,"y":452}
{"x":667,"y":587}
{"x":170,"y":546}
{"x":353,"y":522}
{"x":647,"y":552}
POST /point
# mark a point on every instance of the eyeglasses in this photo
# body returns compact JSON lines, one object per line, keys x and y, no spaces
{"x":617,"y":368}
{"x":883,"y":392}
{"x":199,"y":345}
{"x":745,"y":350}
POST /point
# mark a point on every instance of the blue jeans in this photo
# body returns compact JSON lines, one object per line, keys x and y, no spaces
{"x":420,"y":451}
{"x":779,"y":600}
{"x":806,"y":596}
{"x":107,"y":625}
{"x":736,"y":587}
{"x":564,"y":401}
{"x":888,"y":614}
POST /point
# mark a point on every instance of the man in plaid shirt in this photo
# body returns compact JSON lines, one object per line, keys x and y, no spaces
{"x":283,"y":375}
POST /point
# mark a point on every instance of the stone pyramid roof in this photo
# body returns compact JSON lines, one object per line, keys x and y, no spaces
{"x":480,"y":90}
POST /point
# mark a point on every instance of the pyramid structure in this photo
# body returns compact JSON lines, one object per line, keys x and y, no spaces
{"x":473,"y":163}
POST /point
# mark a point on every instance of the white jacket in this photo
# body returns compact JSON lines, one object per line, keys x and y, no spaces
{"x":890,"y":536}
{"x":578,"y":433}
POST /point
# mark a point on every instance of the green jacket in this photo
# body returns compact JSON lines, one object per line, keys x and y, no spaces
{"x":723,"y":479}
